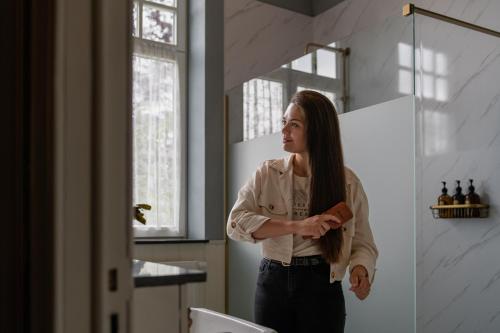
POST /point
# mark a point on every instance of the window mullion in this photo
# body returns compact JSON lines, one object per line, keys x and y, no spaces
{"x":140,"y":19}
{"x":160,"y":5}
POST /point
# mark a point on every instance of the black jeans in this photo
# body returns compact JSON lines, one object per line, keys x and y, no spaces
{"x":299,"y":299}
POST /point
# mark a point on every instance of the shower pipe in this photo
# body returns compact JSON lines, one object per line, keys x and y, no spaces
{"x":410,"y":9}
{"x":345,"y":53}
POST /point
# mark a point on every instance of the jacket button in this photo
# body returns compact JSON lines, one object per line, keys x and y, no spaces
{"x":233,"y":224}
{"x":344,"y":228}
{"x":271,"y":207}
{"x":333,"y":275}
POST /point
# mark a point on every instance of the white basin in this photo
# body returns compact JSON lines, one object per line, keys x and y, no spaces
{"x":208,"y":321}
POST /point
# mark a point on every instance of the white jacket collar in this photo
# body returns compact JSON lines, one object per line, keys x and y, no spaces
{"x":283,"y":165}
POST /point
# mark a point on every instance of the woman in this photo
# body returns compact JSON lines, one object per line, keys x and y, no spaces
{"x":306,"y":253}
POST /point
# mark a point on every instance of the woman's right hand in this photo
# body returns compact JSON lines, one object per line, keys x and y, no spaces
{"x":316,"y":226}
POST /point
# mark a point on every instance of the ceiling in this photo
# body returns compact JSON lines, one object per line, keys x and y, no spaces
{"x":306,"y":7}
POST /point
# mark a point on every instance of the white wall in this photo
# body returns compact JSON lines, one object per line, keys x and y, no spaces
{"x":384,"y":162}
{"x":378,"y":145}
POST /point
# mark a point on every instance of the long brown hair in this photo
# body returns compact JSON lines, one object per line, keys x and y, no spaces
{"x":328,"y":185}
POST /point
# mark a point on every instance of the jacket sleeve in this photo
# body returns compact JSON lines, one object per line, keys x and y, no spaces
{"x":364,"y":251}
{"x":243,"y":218}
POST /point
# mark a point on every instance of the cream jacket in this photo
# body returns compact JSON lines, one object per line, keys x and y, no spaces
{"x":269,"y":194}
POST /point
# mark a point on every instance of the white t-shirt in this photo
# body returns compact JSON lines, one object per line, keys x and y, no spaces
{"x":302,"y":247}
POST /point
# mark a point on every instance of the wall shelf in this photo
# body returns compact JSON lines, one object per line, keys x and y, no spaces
{"x":460,"y":211}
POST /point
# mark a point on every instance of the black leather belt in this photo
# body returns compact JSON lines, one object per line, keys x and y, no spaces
{"x":301,"y":261}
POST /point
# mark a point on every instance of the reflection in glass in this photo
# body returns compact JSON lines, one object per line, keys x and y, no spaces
{"x":427,"y":86}
{"x":436,"y":126}
{"x":405,"y":81}
{"x":432,"y":83}
{"x":405,"y":68}
{"x":427,"y":60}
{"x":155,"y":134}
{"x":262,"y":107}
{"x":158,"y":24}
{"x":441,"y":64}
{"x":303,"y":64}
{"x":441,"y":90}
{"x":330,"y":95}
{"x":405,"y":55}
{"x":326,"y":63}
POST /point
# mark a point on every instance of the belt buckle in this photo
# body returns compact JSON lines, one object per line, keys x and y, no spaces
{"x":284,"y":264}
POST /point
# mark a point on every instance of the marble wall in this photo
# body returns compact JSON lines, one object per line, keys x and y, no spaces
{"x":380,"y":62}
{"x":259,"y":37}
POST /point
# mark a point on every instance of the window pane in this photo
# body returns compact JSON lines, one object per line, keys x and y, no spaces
{"x":171,"y":3}
{"x":303,"y":64}
{"x":156,"y":137}
{"x":135,"y":18}
{"x":262,"y":108}
{"x":326,"y":63}
{"x":330,"y":95}
{"x":159,"y":25}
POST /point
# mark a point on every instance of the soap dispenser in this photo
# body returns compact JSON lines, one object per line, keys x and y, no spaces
{"x":472,"y":198}
{"x":445,"y":199}
{"x":458,"y":199}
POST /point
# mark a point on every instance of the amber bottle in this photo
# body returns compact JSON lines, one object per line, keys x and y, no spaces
{"x":445,"y":199}
{"x":472,"y":198}
{"x":458,"y":199}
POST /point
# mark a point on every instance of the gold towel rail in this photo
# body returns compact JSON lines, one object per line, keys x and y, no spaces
{"x":410,"y":9}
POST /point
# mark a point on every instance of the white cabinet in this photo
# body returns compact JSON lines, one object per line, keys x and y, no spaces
{"x":165,"y":308}
{"x":156,"y":309}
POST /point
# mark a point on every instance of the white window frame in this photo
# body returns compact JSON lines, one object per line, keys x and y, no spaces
{"x":178,"y":53}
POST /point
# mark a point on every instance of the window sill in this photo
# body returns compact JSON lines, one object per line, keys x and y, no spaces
{"x":157,"y":240}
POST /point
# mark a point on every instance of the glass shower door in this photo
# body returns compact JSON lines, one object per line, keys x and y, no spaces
{"x":458,"y":138}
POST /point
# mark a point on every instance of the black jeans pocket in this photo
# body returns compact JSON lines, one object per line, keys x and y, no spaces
{"x":264,"y":264}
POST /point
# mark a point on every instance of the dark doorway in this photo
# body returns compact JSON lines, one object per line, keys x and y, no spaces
{"x":26,"y":138}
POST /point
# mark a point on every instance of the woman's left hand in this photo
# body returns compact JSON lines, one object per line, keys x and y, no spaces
{"x":360,"y":284}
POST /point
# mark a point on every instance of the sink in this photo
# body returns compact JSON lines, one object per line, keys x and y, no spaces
{"x":192,"y":264}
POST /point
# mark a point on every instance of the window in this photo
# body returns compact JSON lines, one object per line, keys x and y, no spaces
{"x":304,"y":63}
{"x":265,"y":98}
{"x":326,"y":63}
{"x":159,"y":117}
{"x":321,"y":62}
{"x":330,"y":95}
{"x":262,"y":107}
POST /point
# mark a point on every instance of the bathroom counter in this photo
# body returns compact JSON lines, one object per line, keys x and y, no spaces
{"x":151,"y":274}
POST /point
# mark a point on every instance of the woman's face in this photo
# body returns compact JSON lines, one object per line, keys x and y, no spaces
{"x":294,"y":130}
